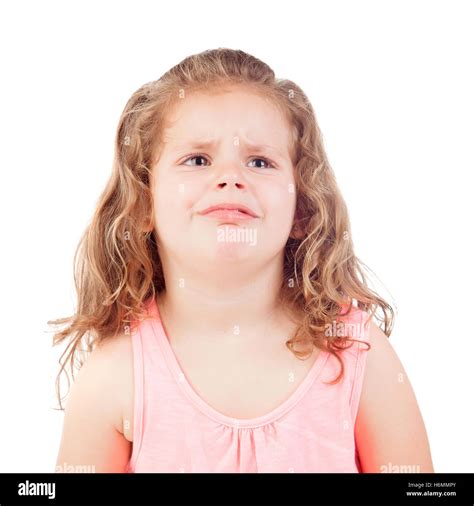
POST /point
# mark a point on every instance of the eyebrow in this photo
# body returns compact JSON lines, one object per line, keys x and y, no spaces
{"x":209,"y":143}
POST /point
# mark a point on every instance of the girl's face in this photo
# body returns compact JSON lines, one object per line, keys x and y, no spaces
{"x":224,"y":148}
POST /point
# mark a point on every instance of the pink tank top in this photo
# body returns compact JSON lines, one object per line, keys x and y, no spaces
{"x":175,"y":430}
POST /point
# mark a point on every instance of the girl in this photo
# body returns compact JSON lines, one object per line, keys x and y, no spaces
{"x":227,"y":320}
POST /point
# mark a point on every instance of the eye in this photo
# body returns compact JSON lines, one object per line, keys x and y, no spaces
{"x":196,"y":156}
{"x":193,"y":157}
{"x":266,"y":161}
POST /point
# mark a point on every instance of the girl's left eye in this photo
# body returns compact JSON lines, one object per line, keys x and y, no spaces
{"x":266,"y":161}
{"x":193,"y":157}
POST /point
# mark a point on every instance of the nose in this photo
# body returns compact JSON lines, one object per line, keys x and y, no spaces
{"x":230,"y":179}
{"x":230,"y":172}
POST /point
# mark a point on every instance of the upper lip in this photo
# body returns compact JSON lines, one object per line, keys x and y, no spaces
{"x":230,"y":205}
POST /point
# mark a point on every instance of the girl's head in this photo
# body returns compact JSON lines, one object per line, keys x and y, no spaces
{"x":229,"y":143}
{"x":218,"y":127}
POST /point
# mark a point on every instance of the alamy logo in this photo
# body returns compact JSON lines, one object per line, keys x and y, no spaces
{"x":232,"y":234}
{"x":28,"y":488}
{"x":343,"y":329}
{"x":403,"y":468}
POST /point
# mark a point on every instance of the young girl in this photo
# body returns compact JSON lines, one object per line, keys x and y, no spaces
{"x":227,"y":320}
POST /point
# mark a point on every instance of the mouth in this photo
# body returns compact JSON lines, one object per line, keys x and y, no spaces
{"x":228,"y":214}
{"x":229,"y":211}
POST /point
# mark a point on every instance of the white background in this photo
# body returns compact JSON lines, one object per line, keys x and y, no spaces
{"x":391,"y":84}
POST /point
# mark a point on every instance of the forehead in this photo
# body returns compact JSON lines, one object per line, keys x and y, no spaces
{"x":232,"y":113}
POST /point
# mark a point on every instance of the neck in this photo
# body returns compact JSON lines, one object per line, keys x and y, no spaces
{"x":224,"y":311}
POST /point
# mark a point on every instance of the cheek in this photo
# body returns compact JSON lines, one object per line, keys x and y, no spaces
{"x":280,"y":205}
{"x":166,"y":209}
{"x":174,"y":204}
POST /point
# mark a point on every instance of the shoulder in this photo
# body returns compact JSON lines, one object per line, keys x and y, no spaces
{"x":116,"y":348}
{"x":381,"y":353}
{"x":111,"y":354}
{"x":92,"y":432}
{"x":384,"y":370}
{"x":109,"y":369}
{"x":389,"y":428}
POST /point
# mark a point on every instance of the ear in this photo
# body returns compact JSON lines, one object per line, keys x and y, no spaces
{"x":148,"y":227}
{"x":149,"y":223}
{"x":297,"y":231}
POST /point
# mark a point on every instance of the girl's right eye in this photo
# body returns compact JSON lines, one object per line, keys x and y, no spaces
{"x":192,"y":157}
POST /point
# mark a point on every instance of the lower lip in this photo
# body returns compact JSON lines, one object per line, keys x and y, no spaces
{"x":229,"y":214}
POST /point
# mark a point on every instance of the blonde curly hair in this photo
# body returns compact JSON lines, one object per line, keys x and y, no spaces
{"x":116,"y":264}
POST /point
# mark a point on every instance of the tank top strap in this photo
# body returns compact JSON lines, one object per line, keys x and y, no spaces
{"x":153,"y":381}
{"x":357,"y":329}
{"x":359,"y":320}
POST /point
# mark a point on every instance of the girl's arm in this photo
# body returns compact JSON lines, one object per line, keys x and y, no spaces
{"x":91,"y":439}
{"x":390,"y":432}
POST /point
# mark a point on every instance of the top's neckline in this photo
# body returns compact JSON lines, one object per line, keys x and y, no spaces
{"x":207,"y":409}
